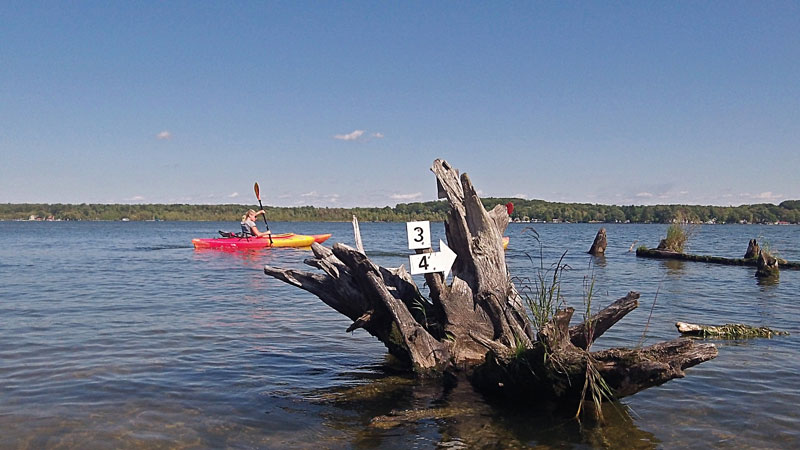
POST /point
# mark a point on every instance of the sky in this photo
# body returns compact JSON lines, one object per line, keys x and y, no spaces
{"x":344,"y":104}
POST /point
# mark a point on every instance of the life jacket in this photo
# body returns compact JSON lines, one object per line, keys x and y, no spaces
{"x":246,"y":230}
{"x":230,"y":234}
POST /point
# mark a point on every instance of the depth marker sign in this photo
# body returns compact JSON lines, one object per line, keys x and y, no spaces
{"x":419,"y":235}
{"x":440,"y":261}
{"x":419,"y":238}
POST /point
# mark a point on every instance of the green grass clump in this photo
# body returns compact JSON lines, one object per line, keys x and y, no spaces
{"x":676,"y":238}
{"x":678,"y":233}
{"x":542,"y":293}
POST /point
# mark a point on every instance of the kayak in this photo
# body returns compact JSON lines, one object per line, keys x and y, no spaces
{"x":505,"y":242}
{"x":278,"y":240}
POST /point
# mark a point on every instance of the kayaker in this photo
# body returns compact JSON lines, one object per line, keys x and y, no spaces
{"x":249,"y":224}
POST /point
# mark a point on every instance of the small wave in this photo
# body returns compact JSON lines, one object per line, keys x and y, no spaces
{"x":162,"y":247}
{"x":385,"y":253}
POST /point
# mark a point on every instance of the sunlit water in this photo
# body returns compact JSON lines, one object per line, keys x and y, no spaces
{"x":120,"y":335}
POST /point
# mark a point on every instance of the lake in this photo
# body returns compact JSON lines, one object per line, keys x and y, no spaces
{"x":121,"y":335}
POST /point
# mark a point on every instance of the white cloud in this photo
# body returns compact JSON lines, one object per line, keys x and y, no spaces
{"x":413,"y":196}
{"x":350,"y":136}
{"x":644,"y":195}
{"x":377,"y":135}
{"x":310,"y":198}
{"x":135,"y":198}
{"x":763,"y":196}
{"x":525,"y":196}
{"x":768,"y":196}
{"x":234,"y":195}
{"x":164,"y":135}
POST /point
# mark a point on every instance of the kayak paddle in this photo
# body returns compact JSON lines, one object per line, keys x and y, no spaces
{"x":258,"y":196}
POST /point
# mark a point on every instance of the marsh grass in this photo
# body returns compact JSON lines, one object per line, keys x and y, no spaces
{"x":542,"y":293}
{"x":767,"y":248}
{"x":679,"y":232}
{"x":594,"y":384}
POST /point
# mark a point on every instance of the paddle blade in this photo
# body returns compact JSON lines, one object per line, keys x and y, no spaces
{"x":258,"y":193}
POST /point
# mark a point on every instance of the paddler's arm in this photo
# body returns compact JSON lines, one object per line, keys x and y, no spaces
{"x":255,"y":232}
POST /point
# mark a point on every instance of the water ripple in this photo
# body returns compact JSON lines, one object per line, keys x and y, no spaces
{"x":122,"y":335}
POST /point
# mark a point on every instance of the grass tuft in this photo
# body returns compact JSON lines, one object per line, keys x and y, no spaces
{"x":678,"y":233}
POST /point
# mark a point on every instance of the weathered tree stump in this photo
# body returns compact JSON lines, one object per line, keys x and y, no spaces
{"x":478,"y":325}
{"x":767,"y":266}
{"x":599,"y":245}
{"x":752,"y":250}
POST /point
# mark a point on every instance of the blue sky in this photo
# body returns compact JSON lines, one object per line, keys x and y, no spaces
{"x":348,"y":103}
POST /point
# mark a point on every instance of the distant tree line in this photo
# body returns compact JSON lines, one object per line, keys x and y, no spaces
{"x":524,"y":210}
{"x":787,"y":211}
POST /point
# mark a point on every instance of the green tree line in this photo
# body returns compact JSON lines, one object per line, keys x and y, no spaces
{"x":534,"y":210}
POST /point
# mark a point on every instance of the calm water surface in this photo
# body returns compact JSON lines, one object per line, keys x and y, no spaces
{"x":120,"y":335}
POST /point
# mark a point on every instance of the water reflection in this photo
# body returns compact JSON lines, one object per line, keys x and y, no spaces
{"x":599,"y":261}
{"x":767,"y":284}
{"x":675,"y":268}
{"x":397,"y":411}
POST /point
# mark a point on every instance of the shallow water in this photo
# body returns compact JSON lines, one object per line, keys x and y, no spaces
{"x":120,"y":335}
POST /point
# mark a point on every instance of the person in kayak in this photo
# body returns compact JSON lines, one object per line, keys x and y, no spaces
{"x":249,"y":224}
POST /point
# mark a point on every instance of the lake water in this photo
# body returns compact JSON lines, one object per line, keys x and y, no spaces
{"x":121,"y":335}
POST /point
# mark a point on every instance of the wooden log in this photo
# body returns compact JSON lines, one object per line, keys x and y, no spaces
{"x":425,"y":353}
{"x":625,"y":371}
{"x":357,"y":235}
{"x":662,"y":254}
{"x":727,"y":331}
{"x":600,"y":242}
{"x":628,"y":371}
{"x":587,"y":332}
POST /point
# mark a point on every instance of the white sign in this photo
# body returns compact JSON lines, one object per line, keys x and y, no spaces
{"x":441,"y":261}
{"x":419,"y":234}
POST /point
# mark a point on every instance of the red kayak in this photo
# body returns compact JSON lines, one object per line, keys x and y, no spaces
{"x":278,"y":240}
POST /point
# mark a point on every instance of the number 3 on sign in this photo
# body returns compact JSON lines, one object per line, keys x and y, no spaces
{"x":419,"y":234}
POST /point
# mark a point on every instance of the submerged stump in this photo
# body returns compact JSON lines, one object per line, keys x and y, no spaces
{"x":767,"y":266}
{"x":752,"y":250}
{"x":477,"y":326}
{"x":600,"y":242}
